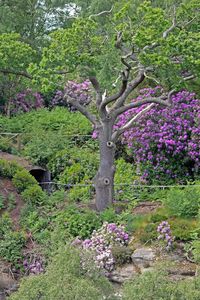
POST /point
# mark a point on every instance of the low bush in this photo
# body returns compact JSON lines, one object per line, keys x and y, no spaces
{"x":156,"y":285}
{"x":183,"y":229}
{"x":8,"y":169}
{"x":80,"y":194}
{"x":11,"y":246}
{"x":65,"y":279}
{"x":183,"y":202}
{"x":23,"y":179}
{"x":78,"y":222}
{"x":5,"y":225}
{"x":34,"y":195}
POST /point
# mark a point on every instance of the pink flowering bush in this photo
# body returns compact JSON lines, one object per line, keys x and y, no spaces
{"x":166,"y":139}
{"x":165,"y":234}
{"x":101,"y":243}
{"x":79,"y":91}
{"x":26,"y":101}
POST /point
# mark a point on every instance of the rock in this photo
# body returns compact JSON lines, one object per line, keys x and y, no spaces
{"x":143,"y":257}
{"x":7,"y":284}
{"x":124,"y":273}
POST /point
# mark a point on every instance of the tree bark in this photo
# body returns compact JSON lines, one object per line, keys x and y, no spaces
{"x":104,"y":179}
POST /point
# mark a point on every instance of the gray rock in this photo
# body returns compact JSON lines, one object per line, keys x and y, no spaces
{"x":143,"y":257}
{"x":124,"y":273}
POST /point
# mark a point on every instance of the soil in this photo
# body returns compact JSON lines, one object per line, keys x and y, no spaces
{"x":146,"y":207}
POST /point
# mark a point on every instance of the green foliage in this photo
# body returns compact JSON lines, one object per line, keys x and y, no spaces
{"x":11,"y":246}
{"x":5,"y":145}
{"x":124,"y":175}
{"x":75,"y":165}
{"x":149,"y":233}
{"x":23,"y":179}
{"x":195,"y":249}
{"x":2,"y":202}
{"x":72,"y":282}
{"x":78,"y":222}
{"x":8,"y":169}
{"x":183,"y":229}
{"x":156,"y":285}
{"x":14,"y":53}
{"x":121,"y":254}
{"x":34,"y":194}
{"x":109,"y":215}
{"x":5,"y":224}
{"x":80,"y":194}
{"x":183,"y":202}
{"x":11,"y":201}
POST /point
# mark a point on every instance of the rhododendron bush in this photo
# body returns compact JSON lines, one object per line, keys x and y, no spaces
{"x":165,"y":141}
{"x":25,"y":101}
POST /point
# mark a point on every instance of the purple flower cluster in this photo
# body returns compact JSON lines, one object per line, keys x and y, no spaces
{"x":26,"y":101}
{"x":79,"y":91}
{"x":101,"y":243}
{"x":33,"y":265}
{"x":166,"y":139}
{"x":165,"y":234}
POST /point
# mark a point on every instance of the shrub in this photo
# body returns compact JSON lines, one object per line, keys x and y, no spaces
{"x":5,"y":224}
{"x":5,"y":145}
{"x":80,"y":194}
{"x":156,"y":285}
{"x":11,"y":246}
{"x":65,"y":279}
{"x":165,"y":140}
{"x":34,"y":195}
{"x":8,"y":169}
{"x":121,"y":254}
{"x":78,"y":222}
{"x":195,"y":249}
{"x":183,"y":229}
{"x":183,"y":202}
{"x":23,"y":179}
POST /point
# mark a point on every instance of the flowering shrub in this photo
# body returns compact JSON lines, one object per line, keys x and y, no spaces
{"x":101,"y":243}
{"x":165,"y":234}
{"x":78,"y":91}
{"x":165,"y":139}
{"x":26,"y":101}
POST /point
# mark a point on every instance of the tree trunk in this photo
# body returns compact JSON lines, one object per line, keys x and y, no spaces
{"x":104,"y":179}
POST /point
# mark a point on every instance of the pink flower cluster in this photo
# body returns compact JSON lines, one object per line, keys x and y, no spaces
{"x":26,"y":101}
{"x":166,"y":139}
{"x":101,"y":243}
{"x":79,"y":91}
{"x":33,"y":265}
{"x":165,"y":234}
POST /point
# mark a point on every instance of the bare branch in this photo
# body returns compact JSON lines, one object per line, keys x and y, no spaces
{"x":189,"y":77}
{"x":130,"y":123}
{"x":166,"y":32}
{"x":125,"y":76}
{"x":92,"y":118}
{"x":17,"y":73}
{"x":130,"y":87}
{"x":105,"y":12}
{"x":97,"y":88}
{"x":157,"y":100}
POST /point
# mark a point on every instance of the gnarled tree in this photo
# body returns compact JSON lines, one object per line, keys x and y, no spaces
{"x":140,"y":44}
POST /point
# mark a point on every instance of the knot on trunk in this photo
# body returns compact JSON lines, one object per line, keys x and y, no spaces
{"x":110,"y":144}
